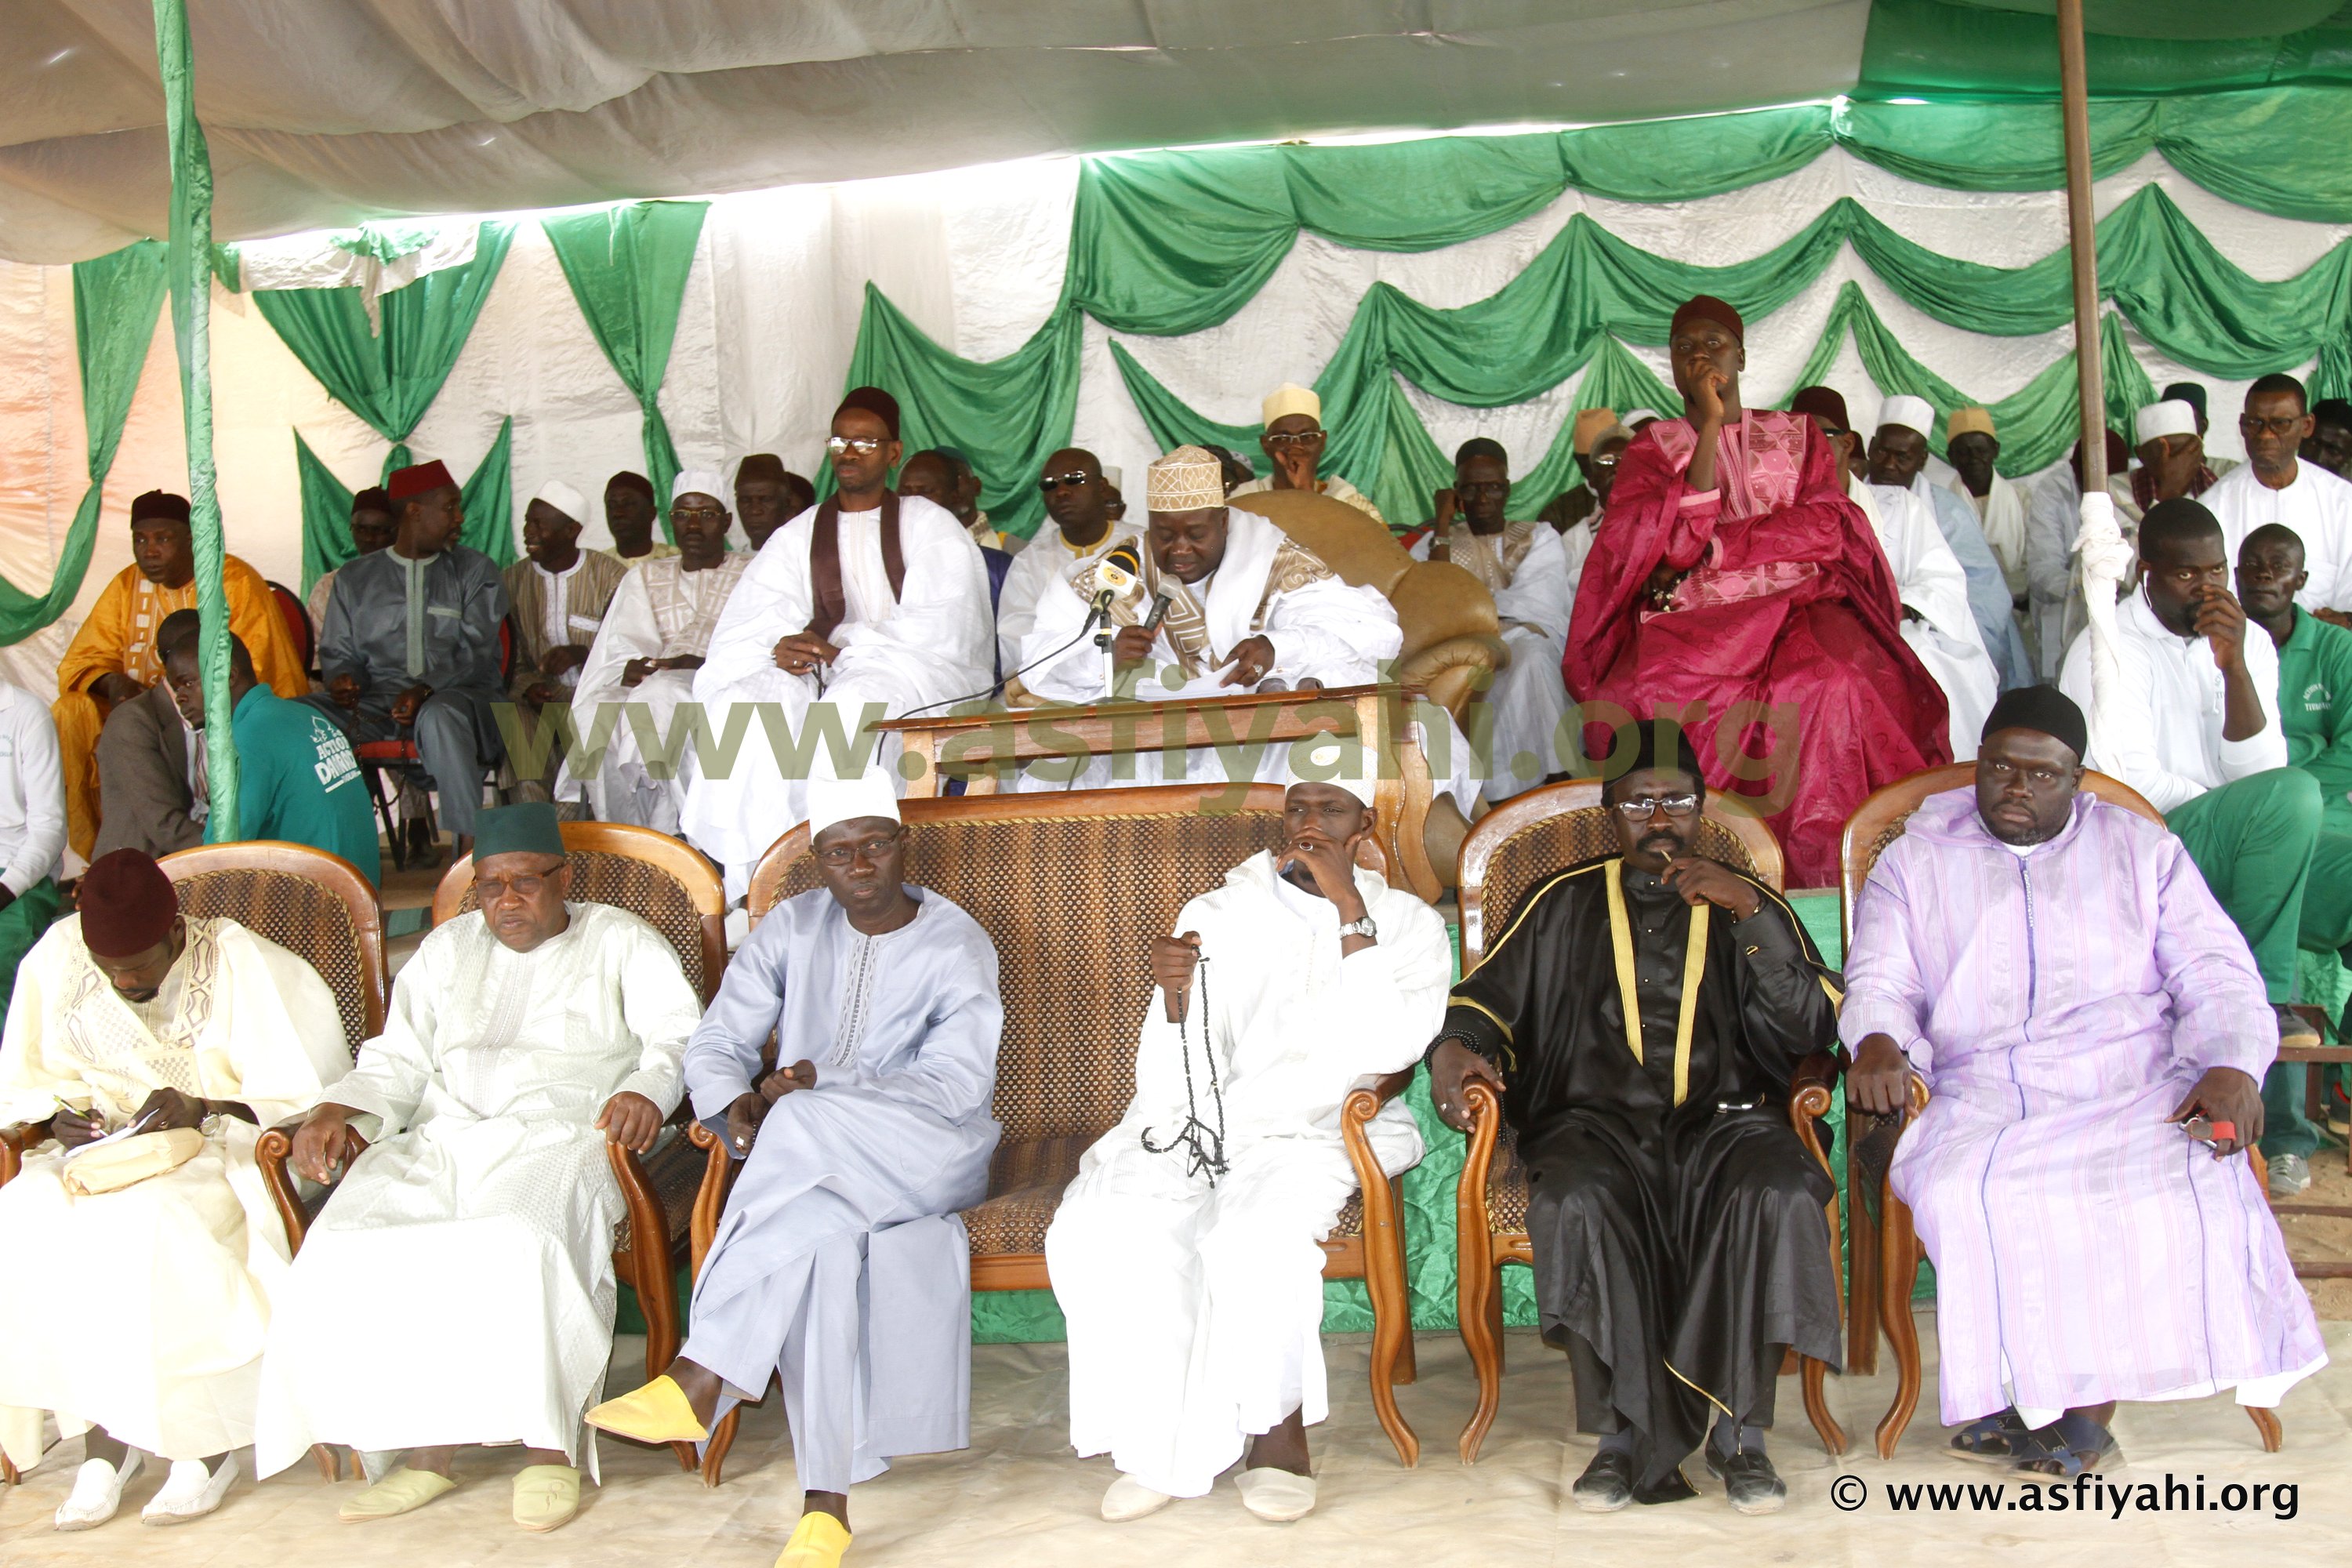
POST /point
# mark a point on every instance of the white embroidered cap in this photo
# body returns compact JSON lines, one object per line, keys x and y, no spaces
{"x":698,"y":483}
{"x":563,"y":499}
{"x":1910,"y":412}
{"x":2173,"y":417}
{"x":1333,"y":759}
{"x":832,"y":801}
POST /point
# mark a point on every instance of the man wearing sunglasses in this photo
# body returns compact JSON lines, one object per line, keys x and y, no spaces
{"x":1078,"y":502}
{"x":2275,"y":485}
{"x":1640,"y":1016}
{"x":1293,"y":440}
{"x":867,"y":605}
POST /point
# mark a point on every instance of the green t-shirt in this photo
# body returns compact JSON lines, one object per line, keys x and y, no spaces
{"x":2316,"y":703}
{"x":298,"y":780}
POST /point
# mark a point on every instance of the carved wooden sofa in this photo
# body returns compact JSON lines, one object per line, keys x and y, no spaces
{"x":1070,"y":888}
{"x":1510,"y":849}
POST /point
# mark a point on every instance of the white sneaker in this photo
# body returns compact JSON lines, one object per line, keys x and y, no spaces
{"x":1131,"y":1499}
{"x":97,"y":1491}
{"x":1276,"y":1496}
{"x":190,"y":1492}
{"x":2290,"y":1175}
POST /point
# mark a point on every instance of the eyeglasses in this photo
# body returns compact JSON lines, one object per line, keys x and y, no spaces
{"x":862,"y":445}
{"x":1071,"y":481}
{"x":1294,"y":438}
{"x":490,"y":889}
{"x":1592,"y":462}
{"x":2249,"y":426}
{"x":842,"y":854}
{"x":1639,"y":807}
{"x":696,"y":513}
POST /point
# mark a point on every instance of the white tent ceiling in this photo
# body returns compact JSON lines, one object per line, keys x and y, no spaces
{"x":323,"y":113}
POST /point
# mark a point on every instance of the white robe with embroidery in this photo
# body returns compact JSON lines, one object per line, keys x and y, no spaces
{"x":932,"y":644}
{"x":1321,"y":630}
{"x":1196,"y":1310}
{"x":1039,"y":571}
{"x":660,"y":611}
{"x":144,"y":1311}
{"x":482,"y":1215}
{"x":1929,"y":579}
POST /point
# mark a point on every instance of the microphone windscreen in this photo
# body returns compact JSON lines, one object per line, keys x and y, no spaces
{"x":1123,"y":556}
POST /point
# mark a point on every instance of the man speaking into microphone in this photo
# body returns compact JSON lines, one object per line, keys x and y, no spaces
{"x":1245,"y":605}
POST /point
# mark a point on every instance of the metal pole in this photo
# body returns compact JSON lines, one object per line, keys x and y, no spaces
{"x":2075,"y":107}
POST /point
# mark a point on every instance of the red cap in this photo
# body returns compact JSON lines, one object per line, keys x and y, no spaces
{"x":127,"y":904}
{"x":421,"y":478}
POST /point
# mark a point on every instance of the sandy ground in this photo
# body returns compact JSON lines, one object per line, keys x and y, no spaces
{"x":1017,"y":1496}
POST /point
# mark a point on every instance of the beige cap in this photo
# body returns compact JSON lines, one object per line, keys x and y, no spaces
{"x":1186,"y":479}
{"x":1291,"y":398}
{"x":1591,"y":424}
{"x":1967,"y":422}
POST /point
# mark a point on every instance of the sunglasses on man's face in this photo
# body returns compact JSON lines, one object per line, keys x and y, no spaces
{"x":862,"y":445}
{"x":1071,"y":481}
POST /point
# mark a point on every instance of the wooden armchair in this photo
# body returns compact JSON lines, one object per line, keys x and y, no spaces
{"x":1511,"y":849}
{"x":1070,"y":888}
{"x":316,"y":905}
{"x":1884,"y":1266}
{"x":674,"y":889}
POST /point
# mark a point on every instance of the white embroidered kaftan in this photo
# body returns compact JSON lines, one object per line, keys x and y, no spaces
{"x":483,"y":1217}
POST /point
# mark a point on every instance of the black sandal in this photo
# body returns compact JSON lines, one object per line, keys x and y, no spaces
{"x":1995,"y":1439}
{"x":2067,"y":1448}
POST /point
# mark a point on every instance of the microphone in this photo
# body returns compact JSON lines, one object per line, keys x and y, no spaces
{"x":1116,"y":576}
{"x":1159,"y":611}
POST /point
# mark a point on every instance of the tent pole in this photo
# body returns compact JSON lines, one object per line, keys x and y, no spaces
{"x":2075,"y":107}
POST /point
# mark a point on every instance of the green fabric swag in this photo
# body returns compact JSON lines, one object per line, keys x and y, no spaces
{"x":388,"y":378}
{"x":190,"y":265}
{"x":627,"y":266}
{"x":487,"y":494}
{"x":116,"y":300}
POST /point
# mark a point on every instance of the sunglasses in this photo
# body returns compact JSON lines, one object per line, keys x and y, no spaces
{"x":1071,"y":481}
{"x":862,"y":445}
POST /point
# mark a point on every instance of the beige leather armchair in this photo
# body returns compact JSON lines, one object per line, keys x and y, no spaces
{"x":1452,"y":642}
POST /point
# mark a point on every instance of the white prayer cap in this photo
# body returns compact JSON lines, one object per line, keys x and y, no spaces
{"x":832,"y":801}
{"x":1292,"y":398}
{"x":698,"y":483}
{"x":1910,"y":412}
{"x":1635,"y":420}
{"x":1334,"y":758}
{"x":1186,"y":479}
{"x":2173,"y":417}
{"x":1111,"y":476}
{"x":563,"y":499}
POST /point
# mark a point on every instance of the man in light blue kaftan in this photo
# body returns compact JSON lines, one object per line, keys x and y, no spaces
{"x":841,"y":1263}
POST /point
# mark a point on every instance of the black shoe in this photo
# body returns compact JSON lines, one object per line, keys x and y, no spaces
{"x":1607,"y":1484}
{"x":1748,"y":1480}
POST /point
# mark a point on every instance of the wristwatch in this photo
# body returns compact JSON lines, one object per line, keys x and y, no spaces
{"x":1363,"y":927}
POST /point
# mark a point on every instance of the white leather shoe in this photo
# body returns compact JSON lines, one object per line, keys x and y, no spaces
{"x":97,"y":1491}
{"x":1131,"y":1499}
{"x":1276,"y":1496}
{"x":191,"y":1491}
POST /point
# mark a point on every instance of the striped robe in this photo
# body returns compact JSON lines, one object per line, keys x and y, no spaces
{"x":2060,"y":1005}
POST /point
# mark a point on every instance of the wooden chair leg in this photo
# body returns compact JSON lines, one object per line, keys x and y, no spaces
{"x":723,"y":1437}
{"x":1479,"y":1306}
{"x":1864,"y":1261}
{"x":2266,"y":1421}
{"x":1817,"y":1405}
{"x":1391,"y":1314}
{"x":1899,"y":1268}
{"x":329,"y":1462}
{"x":8,"y":1475}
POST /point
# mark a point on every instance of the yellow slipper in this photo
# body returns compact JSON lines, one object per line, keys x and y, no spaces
{"x":819,"y":1540}
{"x":403,"y":1491}
{"x":657,"y":1413}
{"x":546,"y":1496}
